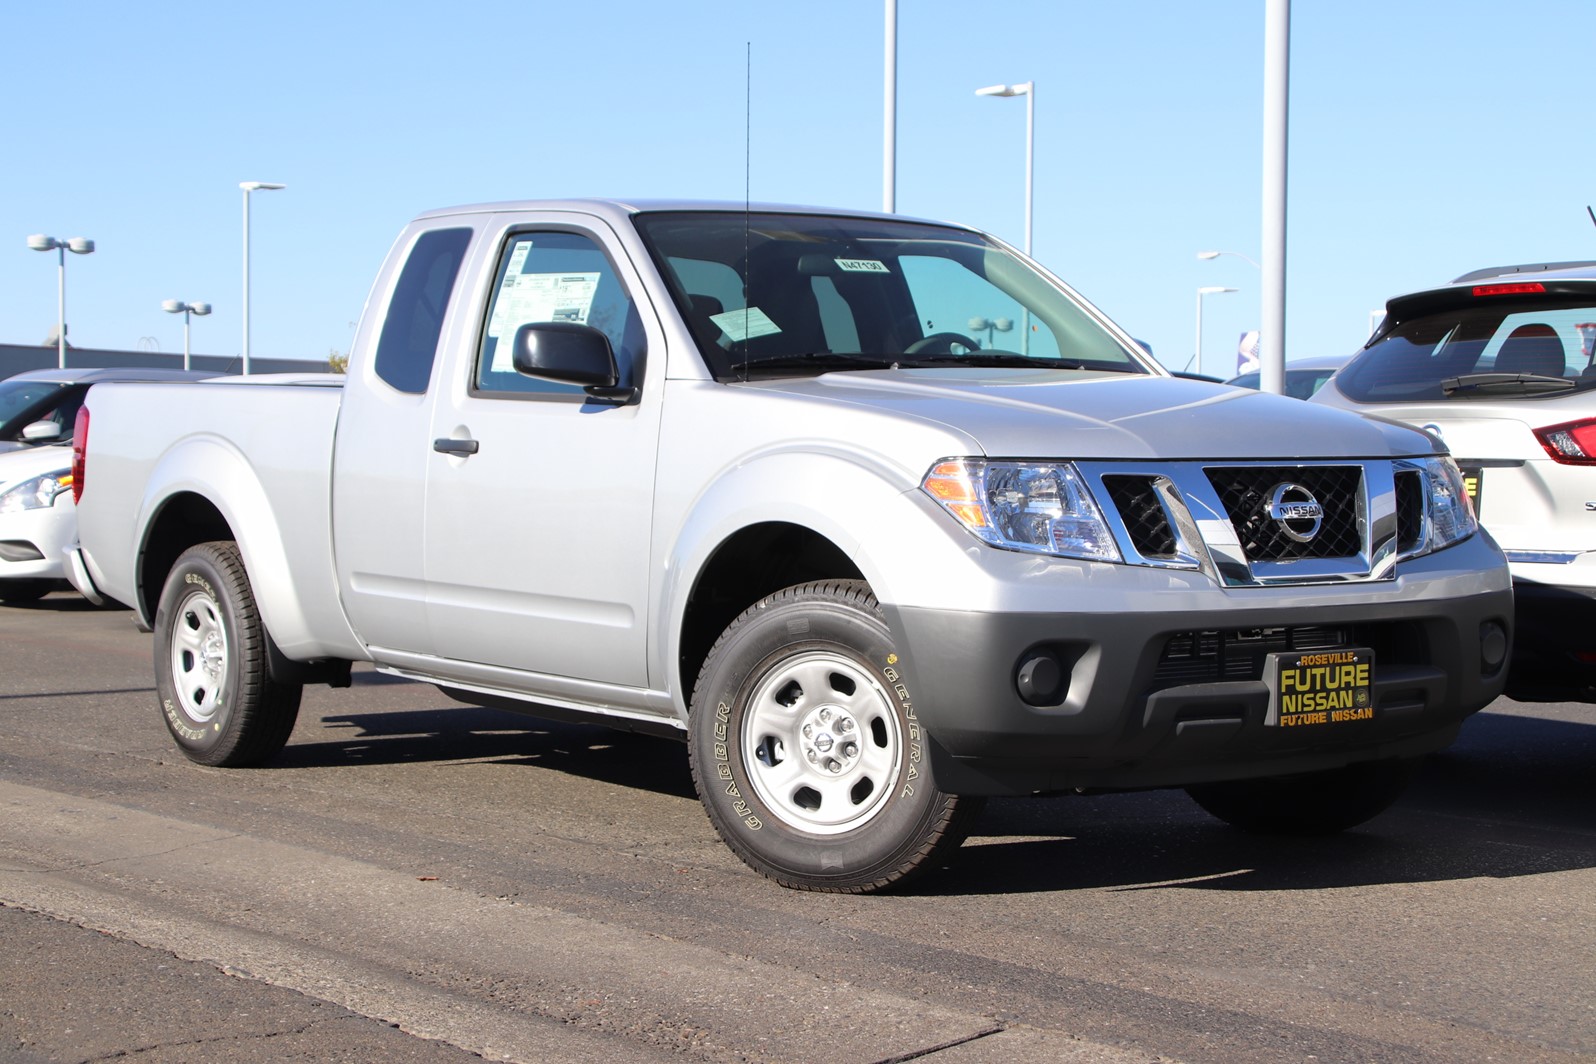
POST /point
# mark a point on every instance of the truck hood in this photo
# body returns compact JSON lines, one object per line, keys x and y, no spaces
{"x":1047,"y":414}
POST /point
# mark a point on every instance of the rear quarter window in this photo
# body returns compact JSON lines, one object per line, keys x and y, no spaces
{"x":408,"y":345}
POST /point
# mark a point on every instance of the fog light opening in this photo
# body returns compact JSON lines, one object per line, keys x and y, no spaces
{"x":1040,"y":679}
{"x":1493,"y":647}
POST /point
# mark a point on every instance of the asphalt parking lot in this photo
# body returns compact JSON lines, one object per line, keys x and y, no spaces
{"x":413,"y":880}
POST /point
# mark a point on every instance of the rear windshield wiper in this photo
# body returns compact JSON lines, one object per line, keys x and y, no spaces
{"x":1503,"y":384}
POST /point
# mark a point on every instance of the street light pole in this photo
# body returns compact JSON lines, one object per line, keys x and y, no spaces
{"x":1205,"y":290}
{"x":248,"y":187}
{"x":1210,"y":255}
{"x":78,"y":246}
{"x":889,"y":139}
{"x":177,"y":306}
{"x":1028,"y":90}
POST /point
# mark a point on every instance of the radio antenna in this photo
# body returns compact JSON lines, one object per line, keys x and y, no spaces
{"x":1591,"y":213}
{"x":748,"y":170}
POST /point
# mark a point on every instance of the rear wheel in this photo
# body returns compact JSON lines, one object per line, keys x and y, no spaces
{"x":219,"y":701}
{"x":1315,"y":803}
{"x":807,"y":752}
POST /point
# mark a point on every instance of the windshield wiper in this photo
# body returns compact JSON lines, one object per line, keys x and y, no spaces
{"x":818,"y":361}
{"x":1503,"y":384}
{"x":991,"y":359}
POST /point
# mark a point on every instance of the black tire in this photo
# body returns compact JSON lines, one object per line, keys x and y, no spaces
{"x":849,"y":805}
{"x":1317,"y":803}
{"x":20,"y":592}
{"x":216,"y":696}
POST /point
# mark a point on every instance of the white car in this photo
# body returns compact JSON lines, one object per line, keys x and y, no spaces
{"x":38,"y":519}
{"x":1499,"y":365}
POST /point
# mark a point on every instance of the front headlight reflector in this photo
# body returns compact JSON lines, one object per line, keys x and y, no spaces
{"x":1044,"y":508}
{"x":38,"y":493}
{"x":1451,"y":513}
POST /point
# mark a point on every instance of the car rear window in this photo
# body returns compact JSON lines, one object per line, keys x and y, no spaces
{"x":1428,"y":358}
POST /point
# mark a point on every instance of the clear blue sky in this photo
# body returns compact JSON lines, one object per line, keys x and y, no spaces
{"x":1428,"y":138}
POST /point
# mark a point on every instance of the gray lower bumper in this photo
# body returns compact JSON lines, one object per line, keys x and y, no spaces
{"x":1124,"y":717}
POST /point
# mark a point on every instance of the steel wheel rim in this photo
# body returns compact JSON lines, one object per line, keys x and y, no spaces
{"x":822,"y":743}
{"x":199,"y":656}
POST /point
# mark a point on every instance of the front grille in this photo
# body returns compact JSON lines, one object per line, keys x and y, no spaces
{"x":1236,"y":654}
{"x":1242,"y":653}
{"x":1409,"y":510}
{"x":1245,"y":492}
{"x":1137,"y":502}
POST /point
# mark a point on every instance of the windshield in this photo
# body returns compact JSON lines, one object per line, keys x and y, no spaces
{"x":791,"y":293}
{"x":1507,"y":348}
{"x":24,"y":402}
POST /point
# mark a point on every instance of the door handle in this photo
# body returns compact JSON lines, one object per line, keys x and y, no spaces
{"x":444,"y":445}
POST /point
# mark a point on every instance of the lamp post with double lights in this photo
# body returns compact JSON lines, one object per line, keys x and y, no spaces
{"x":248,"y":187}
{"x":78,"y":245}
{"x":1205,"y":290}
{"x":177,"y":306}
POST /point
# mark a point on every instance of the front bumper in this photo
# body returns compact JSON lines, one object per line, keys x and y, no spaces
{"x":1139,"y":706}
{"x":33,"y":542}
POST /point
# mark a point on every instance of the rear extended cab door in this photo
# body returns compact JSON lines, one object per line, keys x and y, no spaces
{"x":382,"y":449}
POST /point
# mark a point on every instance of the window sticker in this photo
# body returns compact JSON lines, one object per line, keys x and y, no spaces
{"x":518,"y":257}
{"x":537,"y":297}
{"x":746,"y":324}
{"x":862,"y":266}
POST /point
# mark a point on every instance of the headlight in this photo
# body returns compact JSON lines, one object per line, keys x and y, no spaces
{"x":1042,"y":508}
{"x":36,"y":494}
{"x":1447,"y":505}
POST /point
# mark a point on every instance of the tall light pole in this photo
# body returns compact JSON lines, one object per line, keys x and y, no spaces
{"x":1210,"y":255}
{"x":1205,"y":290}
{"x":78,"y":246}
{"x":889,"y":138}
{"x":1028,"y":90}
{"x":248,"y":187}
{"x":1276,"y":107}
{"x":177,"y":306}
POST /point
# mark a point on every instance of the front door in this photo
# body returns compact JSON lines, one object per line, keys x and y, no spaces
{"x":537,"y":541}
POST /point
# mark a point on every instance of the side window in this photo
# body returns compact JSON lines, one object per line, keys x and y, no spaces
{"x":555,"y":277}
{"x":409,"y":341}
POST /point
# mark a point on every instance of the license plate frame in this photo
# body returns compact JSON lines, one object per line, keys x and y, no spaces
{"x":1313,"y":689}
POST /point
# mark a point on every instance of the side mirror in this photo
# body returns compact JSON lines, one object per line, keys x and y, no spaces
{"x":41,"y":431}
{"x":570,"y":354}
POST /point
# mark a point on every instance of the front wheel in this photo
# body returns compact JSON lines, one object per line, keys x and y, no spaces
{"x":217,"y":696}
{"x":1315,"y":803}
{"x":807,"y":752}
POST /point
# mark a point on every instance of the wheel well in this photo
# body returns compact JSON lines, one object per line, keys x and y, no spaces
{"x":753,"y":563}
{"x":184,"y":520}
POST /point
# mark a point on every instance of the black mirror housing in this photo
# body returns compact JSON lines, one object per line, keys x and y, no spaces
{"x":569,"y":353}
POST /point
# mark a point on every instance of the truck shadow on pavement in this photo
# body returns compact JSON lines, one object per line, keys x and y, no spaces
{"x":469,"y":733}
{"x":1511,"y":798}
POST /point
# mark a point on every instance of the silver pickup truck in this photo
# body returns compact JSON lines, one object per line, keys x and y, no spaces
{"x":876,"y":514}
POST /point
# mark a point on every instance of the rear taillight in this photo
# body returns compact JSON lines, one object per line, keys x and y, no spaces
{"x":1573,"y":443}
{"x":1517,"y":288}
{"x":80,"y":444}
